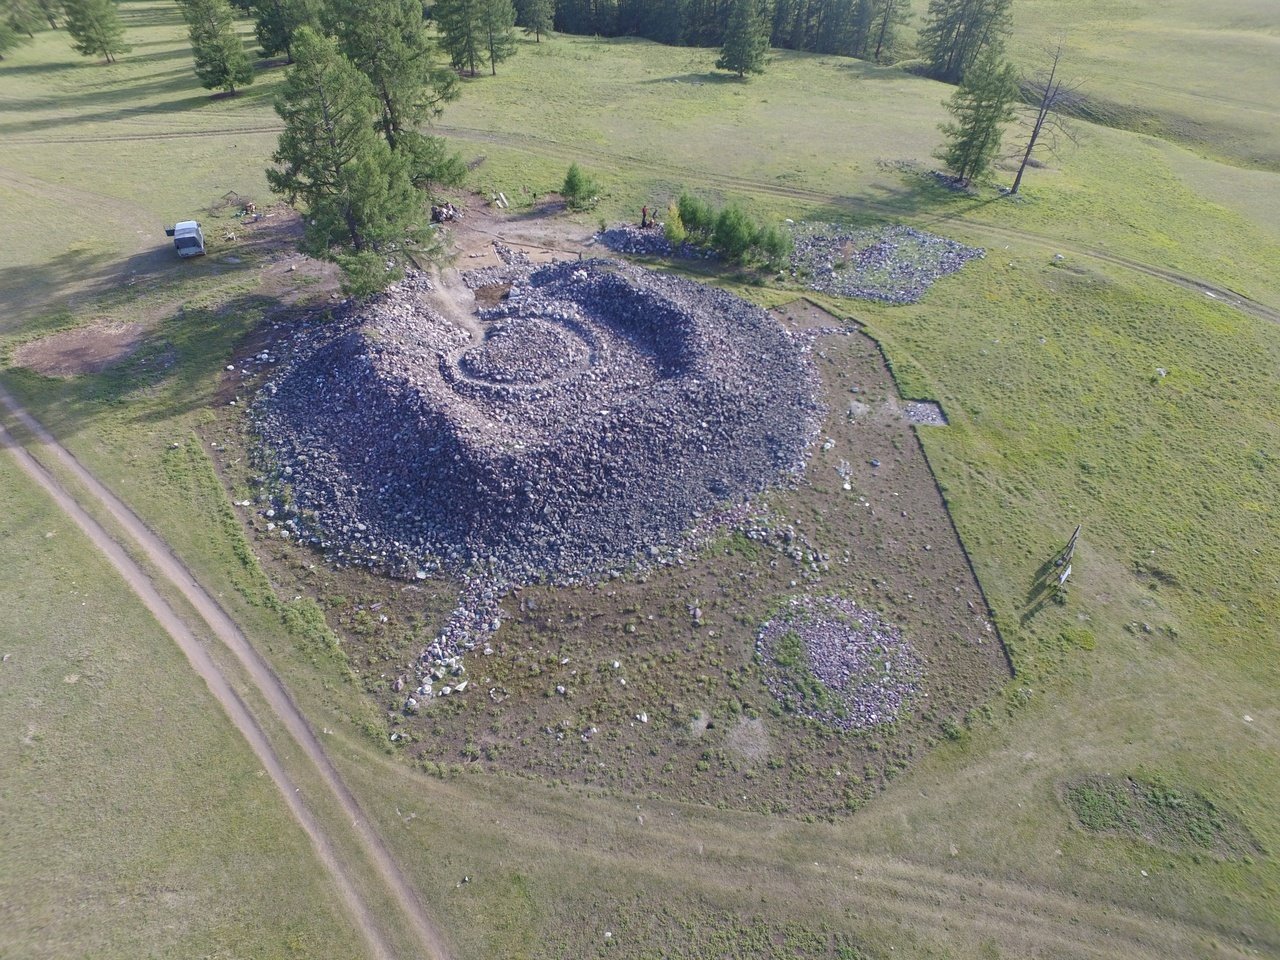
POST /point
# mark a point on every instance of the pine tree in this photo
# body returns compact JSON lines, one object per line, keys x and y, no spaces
{"x":889,"y":15}
{"x":51,"y":10}
{"x":461,"y":32}
{"x":746,"y":39}
{"x":276,"y":21}
{"x":388,"y":41}
{"x":23,"y":17}
{"x":19,"y":20}
{"x":981,"y":104}
{"x":10,"y":37}
{"x":579,"y":190}
{"x":361,"y":208}
{"x":95,"y":28}
{"x":498,"y":21}
{"x":536,"y":17}
{"x":221,"y":60}
{"x":956,"y":32}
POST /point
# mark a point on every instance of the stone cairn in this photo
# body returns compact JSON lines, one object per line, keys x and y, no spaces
{"x":599,"y":411}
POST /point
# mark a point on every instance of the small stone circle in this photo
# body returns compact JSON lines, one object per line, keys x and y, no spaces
{"x":835,"y":662}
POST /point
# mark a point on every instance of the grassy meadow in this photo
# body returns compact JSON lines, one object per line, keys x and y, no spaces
{"x":1161,"y":664}
{"x":1204,"y":75}
{"x":137,"y":822}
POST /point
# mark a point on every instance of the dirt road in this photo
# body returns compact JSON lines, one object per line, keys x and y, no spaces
{"x":168,"y":567}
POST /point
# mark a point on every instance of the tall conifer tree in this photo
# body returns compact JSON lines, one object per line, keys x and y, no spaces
{"x":498,"y":21}
{"x":95,"y":28}
{"x":746,"y":41}
{"x":461,"y":32}
{"x":278,"y":20}
{"x":361,"y":208}
{"x":956,"y":32}
{"x":888,"y":17}
{"x":537,"y":17}
{"x":388,"y":41}
{"x":221,"y":61}
{"x":981,"y":106}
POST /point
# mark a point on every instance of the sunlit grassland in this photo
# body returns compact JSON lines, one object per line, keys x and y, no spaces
{"x":137,"y":822}
{"x":1050,"y":371}
{"x":1203,"y":74}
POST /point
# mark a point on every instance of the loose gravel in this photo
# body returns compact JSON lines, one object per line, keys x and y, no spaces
{"x":888,"y":264}
{"x":851,"y":671}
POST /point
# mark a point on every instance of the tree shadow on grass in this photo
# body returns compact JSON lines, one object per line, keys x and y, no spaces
{"x":189,"y":105}
{"x":698,"y":79}
{"x":172,"y":372}
{"x":101,"y":280}
{"x":35,"y":69}
{"x":153,"y":15}
{"x":912,"y":198}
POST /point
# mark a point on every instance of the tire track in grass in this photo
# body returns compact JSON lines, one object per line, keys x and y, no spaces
{"x":171,"y":569}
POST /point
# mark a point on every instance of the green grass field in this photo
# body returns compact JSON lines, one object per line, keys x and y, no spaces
{"x":1049,"y":371}
{"x":1204,"y":75}
{"x":137,"y":822}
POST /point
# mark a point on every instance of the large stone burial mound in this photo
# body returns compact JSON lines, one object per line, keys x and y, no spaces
{"x":589,"y":419}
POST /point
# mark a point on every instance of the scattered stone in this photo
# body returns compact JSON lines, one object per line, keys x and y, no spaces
{"x":864,"y":668}
{"x":890,"y":264}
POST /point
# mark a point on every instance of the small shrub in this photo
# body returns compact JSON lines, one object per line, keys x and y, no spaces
{"x":696,"y":215}
{"x":731,"y":232}
{"x":673,"y":226}
{"x":734,"y":233}
{"x":775,"y":244}
{"x":579,"y":190}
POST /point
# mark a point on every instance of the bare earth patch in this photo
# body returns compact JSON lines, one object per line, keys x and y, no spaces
{"x":748,"y":740}
{"x":90,"y":349}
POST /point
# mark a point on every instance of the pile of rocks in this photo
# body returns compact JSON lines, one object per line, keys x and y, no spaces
{"x":604,"y":408}
{"x":889,"y":264}
{"x":865,"y":671}
{"x":630,"y":239}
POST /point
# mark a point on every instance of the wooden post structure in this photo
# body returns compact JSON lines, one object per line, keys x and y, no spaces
{"x":1068,"y":551}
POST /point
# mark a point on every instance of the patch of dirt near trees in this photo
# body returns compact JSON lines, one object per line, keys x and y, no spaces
{"x":89,"y":349}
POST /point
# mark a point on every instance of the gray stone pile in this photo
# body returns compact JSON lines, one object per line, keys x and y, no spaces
{"x":865,"y":671}
{"x":629,"y":239}
{"x":603,"y":410}
{"x":890,"y":264}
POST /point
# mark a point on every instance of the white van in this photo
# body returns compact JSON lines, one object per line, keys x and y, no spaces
{"x":188,"y":238}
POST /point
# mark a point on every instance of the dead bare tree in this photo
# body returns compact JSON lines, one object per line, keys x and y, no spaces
{"x":1053,"y":97}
